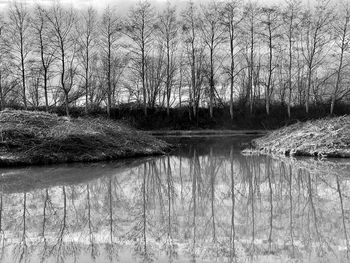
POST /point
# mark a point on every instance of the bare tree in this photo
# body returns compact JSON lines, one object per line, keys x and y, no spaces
{"x":291,"y":19}
{"x":168,"y":28}
{"x":316,"y":25}
{"x":18,"y":35}
{"x":155,"y":75}
{"x":87,"y":29}
{"x":139,"y":28}
{"x":341,"y":29}
{"x":212,"y":35}
{"x":33,"y":79}
{"x":110,"y":34}
{"x":190,"y":20}
{"x":271,"y":21}
{"x":44,"y":46}
{"x":231,"y":21}
{"x":251,"y":13}
{"x":3,"y":52}
{"x":62,"y":24}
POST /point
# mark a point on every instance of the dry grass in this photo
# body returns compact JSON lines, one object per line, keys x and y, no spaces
{"x":323,"y":138}
{"x":39,"y":138}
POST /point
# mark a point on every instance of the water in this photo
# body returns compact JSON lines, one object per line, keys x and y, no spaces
{"x":203,"y":203}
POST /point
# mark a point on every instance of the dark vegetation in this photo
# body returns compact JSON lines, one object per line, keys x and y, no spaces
{"x":181,"y":119}
{"x":40,"y":138}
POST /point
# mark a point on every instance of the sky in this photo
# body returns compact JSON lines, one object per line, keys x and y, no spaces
{"x":101,"y":4}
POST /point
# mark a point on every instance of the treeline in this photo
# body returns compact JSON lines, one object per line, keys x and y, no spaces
{"x":210,"y":55}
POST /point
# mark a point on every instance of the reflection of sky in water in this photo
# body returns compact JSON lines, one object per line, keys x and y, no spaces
{"x":205,"y":203}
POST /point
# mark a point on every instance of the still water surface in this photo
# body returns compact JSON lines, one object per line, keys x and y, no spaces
{"x":203,"y":203}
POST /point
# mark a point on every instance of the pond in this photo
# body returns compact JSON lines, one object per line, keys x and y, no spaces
{"x":205,"y":202}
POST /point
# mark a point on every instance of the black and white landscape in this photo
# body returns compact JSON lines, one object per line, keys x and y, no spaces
{"x":174,"y":131}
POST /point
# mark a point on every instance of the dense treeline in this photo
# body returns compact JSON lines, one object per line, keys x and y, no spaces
{"x":210,"y":55}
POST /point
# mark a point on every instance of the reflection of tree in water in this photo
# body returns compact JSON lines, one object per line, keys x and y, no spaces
{"x":343,"y":215}
{"x":92,"y":245}
{"x":247,"y":171}
{"x":232,"y":253}
{"x":196,"y":190}
{"x":111,"y":247}
{"x":226,"y":208}
{"x":139,"y":216}
{"x":270,"y":174}
{"x":170,"y":245}
{"x":21,"y":249}
{"x":47,"y":207}
{"x":212,"y":165}
{"x":290,"y":195}
{"x":2,"y":234}
{"x":59,"y":248}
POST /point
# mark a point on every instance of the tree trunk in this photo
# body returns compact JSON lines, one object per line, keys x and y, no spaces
{"x":290,"y":72}
{"x":143,"y":76}
{"x":251,"y":84}
{"x":24,"y":86}
{"x":168,"y":80}
{"x":23,"y":73}
{"x":109,"y":103}
{"x":109,"y":79}
{"x":332,"y":105}
{"x":231,"y":76}
{"x":87,"y":80}
{"x":66,"y":103}
{"x":268,"y":88}
{"x":37,"y":92}
{"x":86,"y":97}
{"x":211,"y":99}
{"x":288,"y":108}
{"x":62,"y":80}
{"x":45,"y":91}
{"x":307,"y":95}
{"x":45,"y":68}
{"x":193,"y":75}
{"x":267,"y":106}
{"x":190,"y":106}
{"x":180,"y":86}
{"x":1,"y":94}
{"x":342,"y":49}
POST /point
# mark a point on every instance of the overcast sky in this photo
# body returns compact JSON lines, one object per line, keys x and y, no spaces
{"x":123,"y":5}
{"x":100,"y":4}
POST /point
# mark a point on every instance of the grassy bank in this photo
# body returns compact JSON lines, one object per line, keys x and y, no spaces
{"x":328,"y":137}
{"x":32,"y":137}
